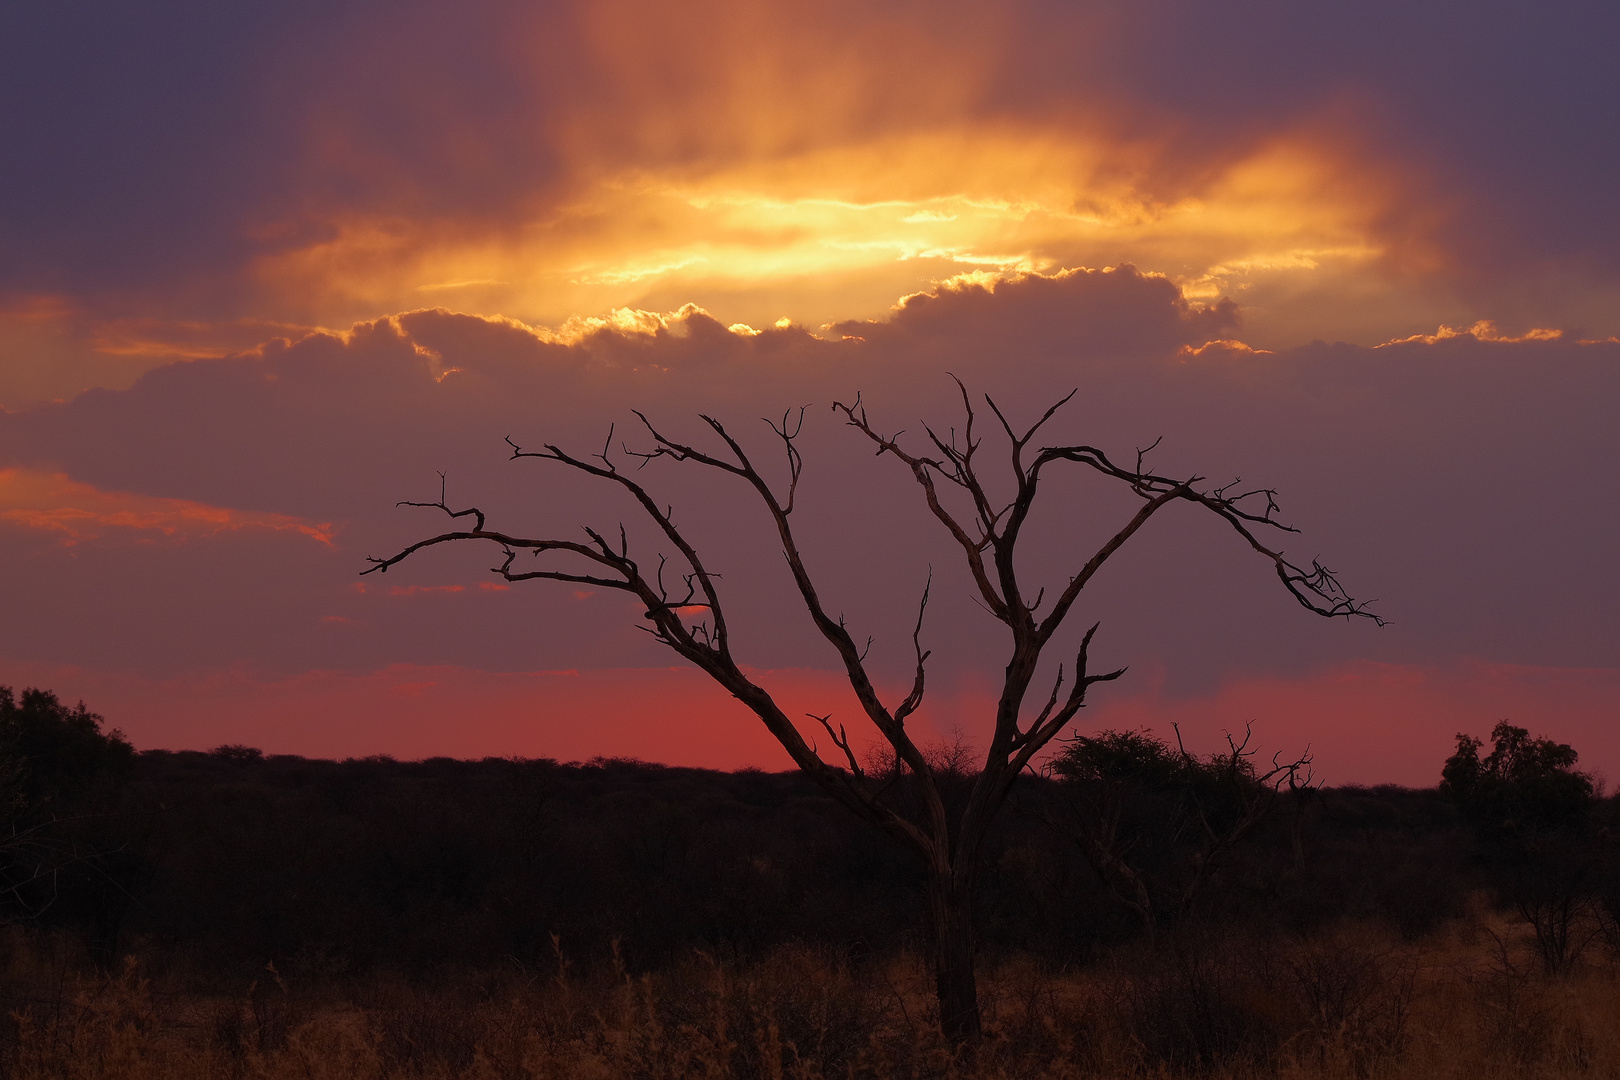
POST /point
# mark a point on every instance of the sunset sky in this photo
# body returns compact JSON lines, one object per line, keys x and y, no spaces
{"x":267,"y":269}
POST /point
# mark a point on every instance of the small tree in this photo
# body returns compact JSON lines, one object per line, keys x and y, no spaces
{"x":1524,"y":784}
{"x":59,"y":772}
{"x":53,"y":755}
{"x":690,"y":619}
{"x":1535,"y":812}
{"x":1155,"y":820}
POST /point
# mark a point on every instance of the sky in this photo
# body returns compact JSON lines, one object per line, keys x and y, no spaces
{"x":266,"y":270}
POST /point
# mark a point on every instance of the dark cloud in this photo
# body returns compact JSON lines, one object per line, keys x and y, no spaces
{"x":1099,"y":314}
{"x":234,"y":431}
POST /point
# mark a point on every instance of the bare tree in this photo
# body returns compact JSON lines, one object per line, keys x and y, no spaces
{"x":987,"y":531}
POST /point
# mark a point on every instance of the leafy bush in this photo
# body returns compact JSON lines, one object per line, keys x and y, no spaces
{"x":53,"y":756}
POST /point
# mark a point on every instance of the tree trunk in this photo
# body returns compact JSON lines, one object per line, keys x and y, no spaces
{"x":953,"y":961}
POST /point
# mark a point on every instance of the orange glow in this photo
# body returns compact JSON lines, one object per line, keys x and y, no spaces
{"x":164,"y":340}
{"x":75,"y":512}
{"x":840,"y":231}
{"x":50,"y":348}
{"x":764,"y":165}
{"x":807,"y":161}
{"x":41,"y":343}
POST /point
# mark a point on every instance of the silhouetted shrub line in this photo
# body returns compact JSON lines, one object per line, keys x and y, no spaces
{"x":330,"y":866}
{"x":736,"y":920}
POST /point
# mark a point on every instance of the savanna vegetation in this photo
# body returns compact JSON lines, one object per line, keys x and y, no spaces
{"x":1144,"y":912}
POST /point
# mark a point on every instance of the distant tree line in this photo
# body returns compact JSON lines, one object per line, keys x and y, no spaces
{"x":233,"y":858}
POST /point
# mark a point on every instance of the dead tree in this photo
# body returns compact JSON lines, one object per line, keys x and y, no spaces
{"x":987,"y":532}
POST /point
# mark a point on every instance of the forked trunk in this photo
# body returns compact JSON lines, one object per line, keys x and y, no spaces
{"x":953,"y":962}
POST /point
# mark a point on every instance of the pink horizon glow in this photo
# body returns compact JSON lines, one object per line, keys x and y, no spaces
{"x":1363,"y":723}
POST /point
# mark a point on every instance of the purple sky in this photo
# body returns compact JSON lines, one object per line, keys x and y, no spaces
{"x":265,"y":272}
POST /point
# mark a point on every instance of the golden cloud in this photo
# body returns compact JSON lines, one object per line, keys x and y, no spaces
{"x":810,"y":162}
{"x":838,"y":231}
{"x":1483,"y":330}
{"x":766,"y":164}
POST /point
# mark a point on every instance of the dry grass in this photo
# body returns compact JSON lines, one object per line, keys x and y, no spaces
{"x":1471,"y":1002}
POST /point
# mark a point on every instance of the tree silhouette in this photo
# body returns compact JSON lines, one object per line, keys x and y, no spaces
{"x":59,"y":774}
{"x":50,"y":754}
{"x":1155,"y":821}
{"x":690,"y":619}
{"x":1523,"y":784}
{"x":1535,"y":811}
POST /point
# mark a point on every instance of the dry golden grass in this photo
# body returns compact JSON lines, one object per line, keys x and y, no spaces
{"x":1469,"y":1003}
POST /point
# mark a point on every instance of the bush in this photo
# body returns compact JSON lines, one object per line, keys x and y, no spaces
{"x":52,"y":757}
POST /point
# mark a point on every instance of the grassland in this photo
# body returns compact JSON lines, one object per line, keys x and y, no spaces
{"x":1469,"y":1001}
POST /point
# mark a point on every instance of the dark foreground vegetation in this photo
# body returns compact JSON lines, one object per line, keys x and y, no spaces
{"x":1143,"y":913}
